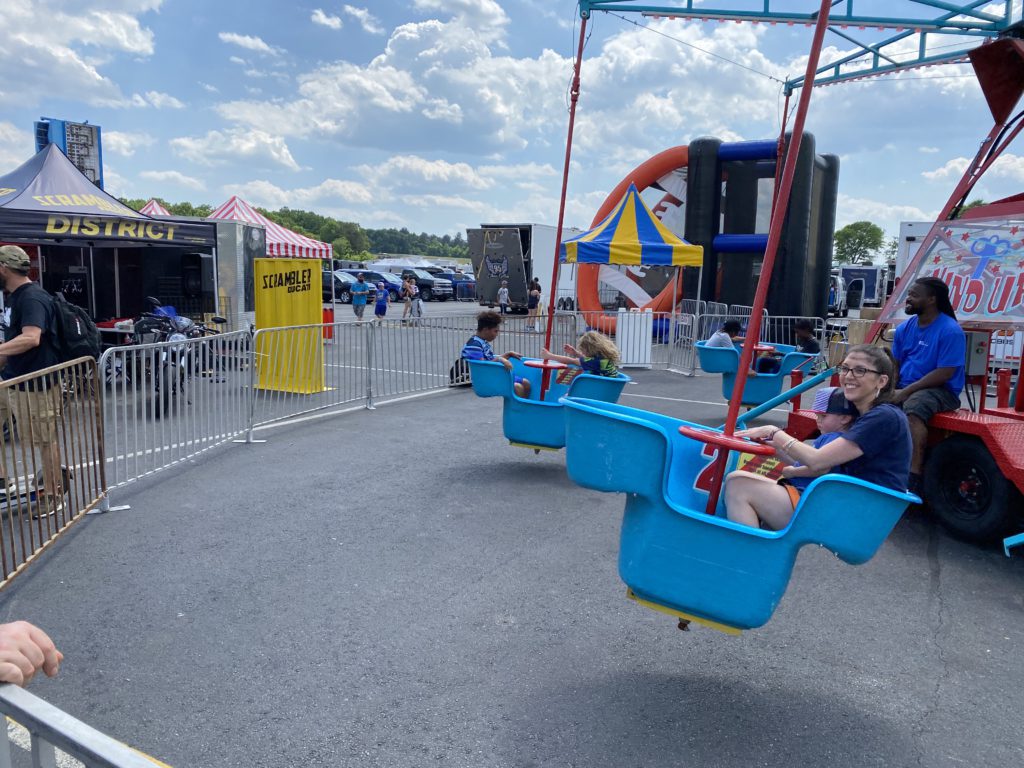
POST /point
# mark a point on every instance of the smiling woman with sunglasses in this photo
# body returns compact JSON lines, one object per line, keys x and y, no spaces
{"x":875,"y":448}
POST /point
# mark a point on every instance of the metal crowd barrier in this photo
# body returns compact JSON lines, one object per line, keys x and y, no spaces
{"x":47,"y":734}
{"x":168,"y":402}
{"x":51,"y":462}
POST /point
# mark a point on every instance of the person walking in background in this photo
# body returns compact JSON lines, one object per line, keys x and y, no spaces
{"x":503,"y":297}
{"x":417,"y":301}
{"x":360,"y":291}
{"x":406,"y":300}
{"x":383,"y":299}
{"x":29,"y":347}
{"x":533,"y":306}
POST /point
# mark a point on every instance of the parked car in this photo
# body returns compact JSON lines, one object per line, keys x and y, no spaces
{"x":342,"y":286}
{"x":463,"y":285}
{"x":392,"y":282}
{"x":430,"y":287}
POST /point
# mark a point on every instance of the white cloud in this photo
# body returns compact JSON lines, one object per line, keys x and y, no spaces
{"x":16,"y":146}
{"x":125,"y":144}
{"x":163,"y":100}
{"x":445,"y":201}
{"x":210,"y":88}
{"x":885,"y":214}
{"x":411,"y":170}
{"x":928,"y":150}
{"x":265,"y":194}
{"x":238,"y":60}
{"x":519,"y":171}
{"x":367,"y":20}
{"x":49,"y":53}
{"x":237,"y":144}
{"x":952,"y":169}
{"x":173,"y":177}
{"x":325,"y":20}
{"x":249,"y":42}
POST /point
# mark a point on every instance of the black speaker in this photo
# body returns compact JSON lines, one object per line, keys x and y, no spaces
{"x":191,"y":275}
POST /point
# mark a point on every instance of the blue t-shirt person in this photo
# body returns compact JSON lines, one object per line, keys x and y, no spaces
{"x":919,"y":351}
{"x":802,"y":482}
{"x":883,"y":434}
{"x":359,"y":293}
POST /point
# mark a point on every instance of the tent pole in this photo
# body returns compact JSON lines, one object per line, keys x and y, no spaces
{"x":117,"y":284}
{"x":785,"y":185}
{"x":574,"y":95}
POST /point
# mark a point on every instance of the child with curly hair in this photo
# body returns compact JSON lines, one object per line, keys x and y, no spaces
{"x":594,"y":353}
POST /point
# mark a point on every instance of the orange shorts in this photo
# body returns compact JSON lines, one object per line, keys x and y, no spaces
{"x":793,"y":491}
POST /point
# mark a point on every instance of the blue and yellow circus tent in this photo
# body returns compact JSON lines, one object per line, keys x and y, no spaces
{"x":631,"y":234}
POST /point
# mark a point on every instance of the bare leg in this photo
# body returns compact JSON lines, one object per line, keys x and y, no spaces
{"x":919,"y":434}
{"x":53,"y":482}
{"x":522,"y":389}
{"x":750,"y":499}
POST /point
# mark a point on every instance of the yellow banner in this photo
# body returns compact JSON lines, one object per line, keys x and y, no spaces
{"x":289,"y":293}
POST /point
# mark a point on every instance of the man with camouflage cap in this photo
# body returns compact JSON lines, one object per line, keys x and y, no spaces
{"x":28,"y":347}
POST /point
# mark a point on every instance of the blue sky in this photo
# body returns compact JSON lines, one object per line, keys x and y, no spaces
{"x":439,"y":114}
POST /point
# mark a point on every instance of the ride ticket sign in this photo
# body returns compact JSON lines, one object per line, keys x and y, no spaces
{"x":982,"y":262}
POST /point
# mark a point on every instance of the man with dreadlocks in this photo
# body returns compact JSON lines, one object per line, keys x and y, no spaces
{"x":930,"y":348}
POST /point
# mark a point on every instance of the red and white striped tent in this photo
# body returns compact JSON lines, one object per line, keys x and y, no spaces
{"x":153,"y":208}
{"x":280,"y":241}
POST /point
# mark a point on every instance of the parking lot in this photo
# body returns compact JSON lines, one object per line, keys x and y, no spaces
{"x":402,"y":588}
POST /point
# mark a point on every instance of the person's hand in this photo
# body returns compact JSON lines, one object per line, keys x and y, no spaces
{"x":758,"y":433}
{"x":789,"y":471}
{"x":898,"y":397}
{"x":24,"y":650}
{"x":513,"y":355}
{"x":545,"y":353}
{"x":569,"y":349}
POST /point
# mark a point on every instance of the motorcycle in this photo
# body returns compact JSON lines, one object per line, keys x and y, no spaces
{"x":169,"y":368}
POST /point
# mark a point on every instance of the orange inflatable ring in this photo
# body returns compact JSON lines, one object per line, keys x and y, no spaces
{"x":643,"y":176}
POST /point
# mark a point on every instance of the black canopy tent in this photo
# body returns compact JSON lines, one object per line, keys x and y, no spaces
{"x":102,"y":254}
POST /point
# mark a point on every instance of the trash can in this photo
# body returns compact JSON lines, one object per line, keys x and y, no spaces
{"x":328,"y":322}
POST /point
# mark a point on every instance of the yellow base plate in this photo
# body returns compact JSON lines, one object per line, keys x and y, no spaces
{"x":533,"y":447}
{"x":673,"y":612}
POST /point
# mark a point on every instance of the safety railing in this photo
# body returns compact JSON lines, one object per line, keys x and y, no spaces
{"x":51,"y":736}
{"x":168,"y":402}
{"x":51,"y":462}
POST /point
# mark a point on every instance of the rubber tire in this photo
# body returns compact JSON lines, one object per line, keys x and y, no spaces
{"x":426,"y":294}
{"x":393,"y":295}
{"x":345,"y":297}
{"x":845,"y":312}
{"x":951,"y":463}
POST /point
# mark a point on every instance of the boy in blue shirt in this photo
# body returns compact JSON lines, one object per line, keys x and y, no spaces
{"x":834,"y":414}
{"x":931,"y":350}
{"x":488,"y":324}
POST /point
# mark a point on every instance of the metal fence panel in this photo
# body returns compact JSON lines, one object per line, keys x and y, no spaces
{"x":165,"y":403}
{"x":49,"y":728}
{"x":51,"y":462}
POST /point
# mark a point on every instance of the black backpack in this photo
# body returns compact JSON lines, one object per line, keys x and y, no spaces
{"x":75,"y":335}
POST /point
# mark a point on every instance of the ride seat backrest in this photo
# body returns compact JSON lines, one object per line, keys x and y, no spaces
{"x":847,"y":516}
{"x":490,"y":378}
{"x":718,"y":359}
{"x":591,"y":387}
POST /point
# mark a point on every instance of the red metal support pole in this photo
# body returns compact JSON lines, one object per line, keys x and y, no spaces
{"x":796,"y":378}
{"x":774,"y":236}
{"x":574,"y":95}
{"x":1003,"y":388}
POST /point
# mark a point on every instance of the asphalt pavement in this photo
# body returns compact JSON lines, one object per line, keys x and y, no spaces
{"x":401,"y":587}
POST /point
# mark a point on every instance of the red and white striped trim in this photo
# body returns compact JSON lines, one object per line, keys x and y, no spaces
{"x":280,"y":241}
{"x":153,"y":208}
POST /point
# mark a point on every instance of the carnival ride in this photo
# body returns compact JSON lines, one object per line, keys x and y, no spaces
{"x":676,"y":555}
{"x":761,"y":386}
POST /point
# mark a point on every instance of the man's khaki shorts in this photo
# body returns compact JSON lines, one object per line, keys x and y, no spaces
{"x":36,"y":412}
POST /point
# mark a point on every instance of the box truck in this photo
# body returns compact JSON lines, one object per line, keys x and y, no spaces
{"x":517,"y":253}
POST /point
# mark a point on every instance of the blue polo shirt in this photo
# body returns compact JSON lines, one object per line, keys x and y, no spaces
{"x":359,"y":293}
{"x":919,"y":351}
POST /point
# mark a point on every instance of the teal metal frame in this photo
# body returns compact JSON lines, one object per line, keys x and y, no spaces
{"x":964,"y":19}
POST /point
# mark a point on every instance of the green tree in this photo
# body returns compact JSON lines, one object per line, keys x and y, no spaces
{"x":855,"y":242}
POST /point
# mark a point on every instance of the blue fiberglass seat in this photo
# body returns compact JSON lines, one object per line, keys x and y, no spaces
{"x":703,"y":567}
{"x":538,"y":423}
{"x":760,"y":388}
